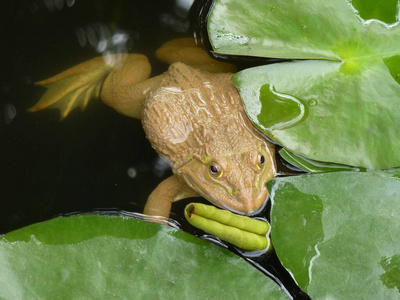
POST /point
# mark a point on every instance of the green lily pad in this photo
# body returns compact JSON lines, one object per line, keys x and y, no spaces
{"x":313,"y":166}
{"x":339,"y":104}
{"x":97,"y":257}
{"x":337,"y":233}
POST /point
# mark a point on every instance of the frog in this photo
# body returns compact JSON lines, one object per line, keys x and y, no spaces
{"x":192,"y":115}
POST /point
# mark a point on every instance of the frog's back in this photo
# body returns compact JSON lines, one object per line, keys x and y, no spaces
{"x":195,"y":113}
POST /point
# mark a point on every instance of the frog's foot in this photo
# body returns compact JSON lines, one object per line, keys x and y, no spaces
{"x":120,"y":80}
{"x":187,"y":51}
{"x":73,"y":87}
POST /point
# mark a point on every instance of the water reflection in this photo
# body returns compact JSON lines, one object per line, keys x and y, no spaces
{"x":160,"y":167}
{"x":104,"y":39}
{"x":178,"y":19}
{"x":57,"y":5}
{"x":9,"y":113}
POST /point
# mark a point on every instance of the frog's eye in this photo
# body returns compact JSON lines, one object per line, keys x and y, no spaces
{"x":215,"y":170}
{"x":260,"y":161}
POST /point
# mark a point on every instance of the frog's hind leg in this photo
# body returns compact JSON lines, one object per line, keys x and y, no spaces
{"x":126,"y":87}
{"x":120,"y":80}
{"x":190,"y":52}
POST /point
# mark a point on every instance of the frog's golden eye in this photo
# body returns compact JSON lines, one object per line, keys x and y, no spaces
{"x":215,"y":170}
{"x":260,"y":161}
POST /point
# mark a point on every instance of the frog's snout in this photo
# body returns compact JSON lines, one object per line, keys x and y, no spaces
{"x":249,"y":203}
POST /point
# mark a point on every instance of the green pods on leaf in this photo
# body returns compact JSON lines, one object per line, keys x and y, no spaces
{"x":241,"y":231}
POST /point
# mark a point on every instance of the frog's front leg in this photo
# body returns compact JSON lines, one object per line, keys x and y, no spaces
{"x":170,"y":190}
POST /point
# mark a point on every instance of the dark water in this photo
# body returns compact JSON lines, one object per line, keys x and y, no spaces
{"x":49,"y":167}
{"x":92,"y":160}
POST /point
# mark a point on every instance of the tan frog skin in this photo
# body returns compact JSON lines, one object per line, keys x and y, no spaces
{"x":192,"y":115}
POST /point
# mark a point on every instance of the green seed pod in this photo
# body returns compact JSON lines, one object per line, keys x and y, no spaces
{"x":242,"y":231}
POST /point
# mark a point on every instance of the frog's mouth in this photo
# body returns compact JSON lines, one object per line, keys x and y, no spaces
{"x":249,"y":200}
{"x":224,"y":202}
{"x":248,"y":212}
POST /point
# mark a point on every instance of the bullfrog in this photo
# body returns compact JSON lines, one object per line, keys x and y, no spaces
{"x":192,"y":115}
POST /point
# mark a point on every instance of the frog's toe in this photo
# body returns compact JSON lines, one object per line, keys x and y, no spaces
{"x":73,"y":87}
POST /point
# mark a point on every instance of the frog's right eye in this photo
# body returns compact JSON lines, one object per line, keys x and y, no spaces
{"x":215,"y":170}
{"x":260,"y":161}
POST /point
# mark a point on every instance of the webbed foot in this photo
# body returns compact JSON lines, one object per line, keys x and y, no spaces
{"x":73,"y":87}
{"x":119,"y":80}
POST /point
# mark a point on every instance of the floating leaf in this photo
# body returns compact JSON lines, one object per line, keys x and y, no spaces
{"x":97,"y":257}
{"x":341,"y":104}
{"x":338,"y":233}
{"x":313,"y":166}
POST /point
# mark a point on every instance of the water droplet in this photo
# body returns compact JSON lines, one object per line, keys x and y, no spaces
{"x":70,"y":3}
{"x":272,"y":8}
{"x":132,"y":172}
{"x":303,"y":26}
{"x":391,"y":267}
{"x":241,"y":39}
{"x":280,"y":111}
{"x":312,"y":102}
{"x":384,"y":12}
{"x":160,"y":167}
{"x":9,"y":113}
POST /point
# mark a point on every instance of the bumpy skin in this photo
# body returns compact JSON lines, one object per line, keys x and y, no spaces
{"x":193,"y":118}
{"x":196,"y":119}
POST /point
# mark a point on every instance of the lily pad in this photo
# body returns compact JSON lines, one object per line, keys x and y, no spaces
{"x":337,"y":233}
{"x":98,"y":257}
{"x":340,"y":103}
{"x":313,"y":166}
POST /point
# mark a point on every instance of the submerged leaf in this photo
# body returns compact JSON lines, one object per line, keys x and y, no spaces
{"x":338,"y":233}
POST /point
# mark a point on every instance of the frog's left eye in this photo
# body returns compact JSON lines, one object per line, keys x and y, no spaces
{"x":215,"y":170}
{"x":260,"y":161}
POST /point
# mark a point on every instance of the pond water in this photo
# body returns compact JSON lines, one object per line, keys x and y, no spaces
{"x":96,"y":160}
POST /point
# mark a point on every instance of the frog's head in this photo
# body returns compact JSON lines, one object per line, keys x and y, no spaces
{"x":235,"y":181}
